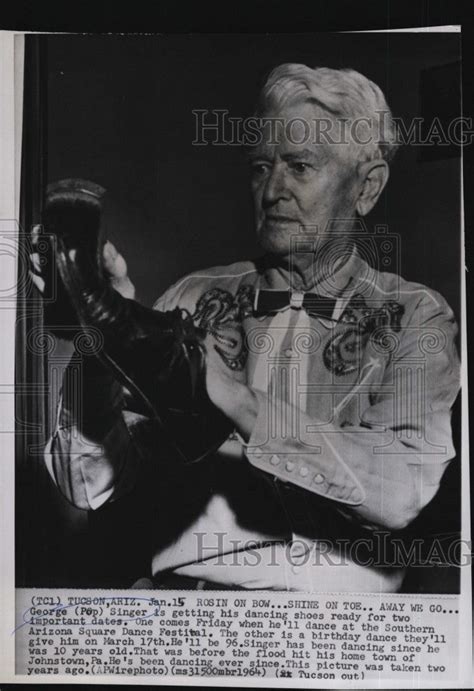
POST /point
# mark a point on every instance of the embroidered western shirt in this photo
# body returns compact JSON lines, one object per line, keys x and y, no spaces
{"x":353,"y":434}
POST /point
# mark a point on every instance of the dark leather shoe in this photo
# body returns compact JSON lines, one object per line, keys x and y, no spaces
{"x":158,"y":356}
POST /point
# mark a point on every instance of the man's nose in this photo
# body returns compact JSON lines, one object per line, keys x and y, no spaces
{"x":275,"y":187}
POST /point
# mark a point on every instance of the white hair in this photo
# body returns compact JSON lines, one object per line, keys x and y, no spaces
{"x":344,"y":94}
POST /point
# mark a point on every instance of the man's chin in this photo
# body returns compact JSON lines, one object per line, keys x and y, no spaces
{"x":271,"y":243}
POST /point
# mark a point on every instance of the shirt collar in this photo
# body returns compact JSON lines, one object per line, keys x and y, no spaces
{"x":347,"y":278}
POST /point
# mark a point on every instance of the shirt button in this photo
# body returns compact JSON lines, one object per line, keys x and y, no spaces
{"x":318,"y":479}
{"x":304,"y":471}
{"x":274,"y":460}
{"x":289,"y":466}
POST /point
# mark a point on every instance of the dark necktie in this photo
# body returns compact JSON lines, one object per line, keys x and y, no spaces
{"x":273,"y":301}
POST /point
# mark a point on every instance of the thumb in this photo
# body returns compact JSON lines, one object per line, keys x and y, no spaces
{"x":116,"y":267}
{"x":109,"y":257}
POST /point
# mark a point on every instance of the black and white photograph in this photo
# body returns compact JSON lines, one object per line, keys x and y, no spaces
{"x":292,"y":395}
{"x":238,"y":350}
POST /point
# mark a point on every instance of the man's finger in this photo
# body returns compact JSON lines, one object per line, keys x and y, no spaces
{"x":35,"y":234}
{"x":116,"y":268}
{"x":124,"y":286}
{"x":109,"y":256}
{"x":38,"y":281}
{"x":35,"y":261}
{"x":113,"y":262}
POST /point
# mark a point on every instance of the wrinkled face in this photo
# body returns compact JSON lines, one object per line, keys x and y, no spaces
{"x":300,"y":185}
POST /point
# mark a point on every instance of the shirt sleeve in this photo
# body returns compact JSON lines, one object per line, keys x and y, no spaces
{"x":388,"y":466}
{"x":91,"y":457}
{"x":101,"y":464}
{"x":89,"y":473}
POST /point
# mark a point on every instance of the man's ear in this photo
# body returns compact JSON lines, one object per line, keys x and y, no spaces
{"x":373,"y":176}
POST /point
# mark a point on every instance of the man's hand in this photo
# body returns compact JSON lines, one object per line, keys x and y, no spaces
{"x":114,"y":264}
{"x":115,"y":268}
{"x":228,"y":390}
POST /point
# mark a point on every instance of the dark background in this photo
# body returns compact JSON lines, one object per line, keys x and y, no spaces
{"x":119,"y":112}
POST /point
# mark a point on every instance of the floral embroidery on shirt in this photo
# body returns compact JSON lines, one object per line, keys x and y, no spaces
{"x":220,"y":314}
{"x":343,"y":352}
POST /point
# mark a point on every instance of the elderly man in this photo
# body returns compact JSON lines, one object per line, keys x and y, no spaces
{"x":342,"y":413}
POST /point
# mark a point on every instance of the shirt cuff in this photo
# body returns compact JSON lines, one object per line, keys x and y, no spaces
{"x":318,"y":469}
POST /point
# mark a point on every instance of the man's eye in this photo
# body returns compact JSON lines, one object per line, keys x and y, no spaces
{"x":299,"y":167}
{"x":259,"y":169}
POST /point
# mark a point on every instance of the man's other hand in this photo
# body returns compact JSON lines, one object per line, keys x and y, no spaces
{"x":228,"y":390}
{"x":115,"y":267}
